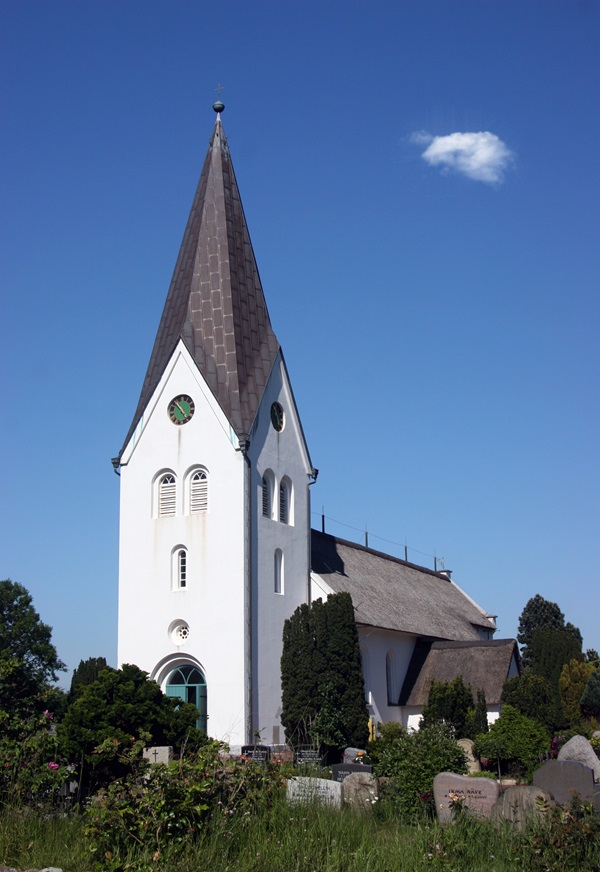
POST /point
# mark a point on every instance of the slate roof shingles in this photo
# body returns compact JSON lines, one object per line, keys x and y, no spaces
{"x":216,"y":271}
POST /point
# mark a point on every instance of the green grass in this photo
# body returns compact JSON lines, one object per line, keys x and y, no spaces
{"x":292,"y":839}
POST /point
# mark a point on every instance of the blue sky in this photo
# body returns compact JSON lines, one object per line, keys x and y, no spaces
{"x":421,"y":184}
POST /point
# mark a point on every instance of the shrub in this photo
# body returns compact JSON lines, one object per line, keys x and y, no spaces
{"x":160,"y":809}
{"x":412,"y":760}
{"x":515,"y":743}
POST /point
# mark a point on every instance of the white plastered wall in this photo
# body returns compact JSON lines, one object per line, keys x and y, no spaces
{"x":213,"y":601}
{"x":281,"y":454}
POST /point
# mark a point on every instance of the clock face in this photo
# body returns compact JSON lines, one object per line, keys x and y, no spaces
{"x":277,"y":417}
{"x":181,"y":409}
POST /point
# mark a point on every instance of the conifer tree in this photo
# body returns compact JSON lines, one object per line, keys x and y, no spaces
{"x":321,"y":676}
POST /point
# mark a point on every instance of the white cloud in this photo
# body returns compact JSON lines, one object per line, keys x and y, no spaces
{"x":480,"y":156}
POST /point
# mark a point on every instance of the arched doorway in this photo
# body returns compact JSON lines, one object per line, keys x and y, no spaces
{"x":188,"y":683}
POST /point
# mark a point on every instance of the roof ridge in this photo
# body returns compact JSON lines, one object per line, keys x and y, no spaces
{"x":436,"y":573}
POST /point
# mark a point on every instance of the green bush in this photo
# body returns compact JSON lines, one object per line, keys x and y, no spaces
{"x":516,"y":743}
{"x":164,"y":808}
{"x":411,"y":761}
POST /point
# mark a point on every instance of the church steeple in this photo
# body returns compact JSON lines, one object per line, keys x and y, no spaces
{"x":215,"y":302}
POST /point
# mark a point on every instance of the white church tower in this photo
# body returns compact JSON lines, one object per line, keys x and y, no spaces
{"x":215,"y":475}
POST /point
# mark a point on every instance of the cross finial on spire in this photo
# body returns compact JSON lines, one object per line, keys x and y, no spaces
{"x":219,"y":105}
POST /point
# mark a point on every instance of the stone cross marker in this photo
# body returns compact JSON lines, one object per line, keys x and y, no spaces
{"x":479,"y":794}
{"x":314,"y":790}
{"x":158,"y":754}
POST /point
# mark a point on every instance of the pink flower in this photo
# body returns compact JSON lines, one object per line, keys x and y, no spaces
{"x":48,"y":714}
{"x":53,"y":766}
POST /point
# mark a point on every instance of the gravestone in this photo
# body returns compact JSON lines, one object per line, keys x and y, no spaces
{"x":562,"y":779}
{"x":522,"y":804}
{"x":361,"y":790}
{"x":350,"y":754}
{"x":579,"y":748}
{"x":307,"y":755}
{"x":256,"y":753}
{"x":301,"y":789}
{"x":341,"y":770}
{"x":480,"y":794}
{"x":473,"y":764}
{"x":158,"y":754}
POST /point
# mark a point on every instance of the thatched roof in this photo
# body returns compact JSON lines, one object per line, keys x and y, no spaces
{"x":397,"y":595}
{"x":485,"y":665}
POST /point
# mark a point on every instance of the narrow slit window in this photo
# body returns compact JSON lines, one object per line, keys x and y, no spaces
{"x":166,"y":496}
{"x":278,"y":571}
{"x":199,"y":492}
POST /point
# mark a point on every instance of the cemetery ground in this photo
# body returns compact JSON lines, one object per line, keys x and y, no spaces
{"x":256,"y":828}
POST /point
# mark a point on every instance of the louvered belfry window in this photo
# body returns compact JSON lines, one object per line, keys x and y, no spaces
{"x":199,"y":492}
{"x":283,"y":503}
{"x":266,"y":497}
{"x":166,"y":496}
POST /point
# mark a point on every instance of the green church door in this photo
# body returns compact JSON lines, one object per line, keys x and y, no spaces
{"x":188,"y":683}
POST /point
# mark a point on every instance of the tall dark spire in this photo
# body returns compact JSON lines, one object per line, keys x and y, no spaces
{"x":215,"y":301}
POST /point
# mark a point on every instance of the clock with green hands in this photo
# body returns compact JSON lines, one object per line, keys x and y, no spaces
{"x":181,"y":409}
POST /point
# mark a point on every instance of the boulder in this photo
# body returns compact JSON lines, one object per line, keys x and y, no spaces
{"x":360,"y":790}
{"x":579,"y":749}
{"x":521,"y":805}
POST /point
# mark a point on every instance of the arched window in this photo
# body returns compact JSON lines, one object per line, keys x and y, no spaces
{"x":285,"y":501}
{"x":188,"y":684}
{"x":166,"y":495}
{"x":179,"y":568}
{"x":390,"y":678}
{"x":278,"y":571}
{"x":267,"y":487}
{"x":199,"y":492}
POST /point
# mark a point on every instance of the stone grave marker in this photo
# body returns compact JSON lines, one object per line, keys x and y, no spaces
{"x":361,"y":790}
{"x":350,"y":754}
{"x":301,"y":789}
{"x":473,"y":764}
{"x":257,"y":753}
{"x":480,"y":794}
{"x":158,"y":754}
{"x":307,"y":755}
{"x":562,"y":779}
{"x":522,"y":804}
{"x":340,"y":770}
{"x":580,"y":749}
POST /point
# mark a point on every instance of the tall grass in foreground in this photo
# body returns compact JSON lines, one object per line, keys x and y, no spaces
{"x":300,"y":839}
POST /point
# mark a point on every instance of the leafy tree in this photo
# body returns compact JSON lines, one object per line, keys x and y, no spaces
{"x":532,"y":696}
{"x":590,"y":698}
{"x":538,"y":613}
{"x":572,"y":683}
{"x":113,"y":712}
{"x":86,"y":673}
{"x":29,"y":663}
{"x":321,"y":676}
{"x":412,"y":760}
{"x":514,"y":742}
{"x":592,"y":656}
